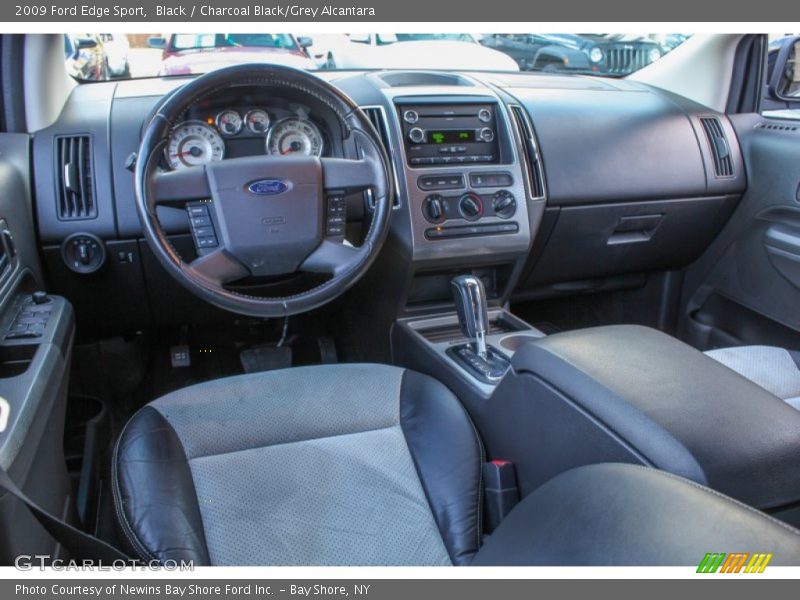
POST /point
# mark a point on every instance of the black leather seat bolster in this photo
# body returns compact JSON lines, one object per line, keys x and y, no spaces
{"x":154,"y":493}
{"x":617,"y":514}
{"x":448,"y":456}
{"x":677,"y":408}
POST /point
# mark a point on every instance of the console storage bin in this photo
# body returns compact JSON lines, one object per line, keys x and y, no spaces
{"x":633,"y":394}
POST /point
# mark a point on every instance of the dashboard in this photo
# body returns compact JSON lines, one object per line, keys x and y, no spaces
{"x":537,"y":183}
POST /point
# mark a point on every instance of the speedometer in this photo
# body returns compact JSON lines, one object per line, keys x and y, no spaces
{"x":294,"y":136}
{"x":194,"y":143}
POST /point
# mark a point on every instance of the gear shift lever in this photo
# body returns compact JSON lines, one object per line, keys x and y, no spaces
{"x":473,"y":311}
{"x":484,"y":362}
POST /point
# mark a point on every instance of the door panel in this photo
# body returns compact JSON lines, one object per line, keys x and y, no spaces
{"x":745,"y":289}
{"x":34,"y":366}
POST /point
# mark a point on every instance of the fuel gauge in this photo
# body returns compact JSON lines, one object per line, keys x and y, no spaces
{"x":257,"y":121}
{"x":229,"y":122}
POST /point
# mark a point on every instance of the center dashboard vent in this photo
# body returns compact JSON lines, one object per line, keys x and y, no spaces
{"x":377,"y":117}
{"x":718,"y":144}
{"x":533,"y":159}
{"x":75,"y":186}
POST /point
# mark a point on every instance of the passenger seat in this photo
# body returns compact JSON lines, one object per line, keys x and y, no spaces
{"x":775,"y":369}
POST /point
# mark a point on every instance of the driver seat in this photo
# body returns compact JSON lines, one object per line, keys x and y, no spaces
{"x":377,"y":465}
{"x":324,"y":465}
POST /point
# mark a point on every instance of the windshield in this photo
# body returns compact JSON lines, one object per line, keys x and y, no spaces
{"x":191,"y":41}
{"x":391,"y":38}
{"x":103,"y":57}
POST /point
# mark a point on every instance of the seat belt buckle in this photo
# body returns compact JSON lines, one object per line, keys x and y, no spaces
{"x":500,"y":491}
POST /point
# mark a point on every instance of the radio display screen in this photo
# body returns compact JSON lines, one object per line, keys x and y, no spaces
{"x":451,"y":136}
{"x":450,"y":133}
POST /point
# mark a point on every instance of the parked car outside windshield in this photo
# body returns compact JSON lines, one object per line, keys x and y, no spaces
{"x":180,"y":54}
{"x":190,"y":54}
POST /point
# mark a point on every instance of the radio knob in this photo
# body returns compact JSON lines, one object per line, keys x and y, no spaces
{"x":504,"y":203}
{"x":485,"y":115}
{"x":471,"y":206}
{"x":416,"y":135}
{"x":433,"y":208}
{"x":486,"y":134}
{"x":411,"y":116}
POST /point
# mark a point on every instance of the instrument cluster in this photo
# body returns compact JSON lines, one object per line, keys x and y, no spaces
{"x":231,"y":132}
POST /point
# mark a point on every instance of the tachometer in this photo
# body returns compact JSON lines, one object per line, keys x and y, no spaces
{"x":257,"y":121}
{"x":229,"y":122}
{"x":194,"y":143}
{"x":294,"y":136}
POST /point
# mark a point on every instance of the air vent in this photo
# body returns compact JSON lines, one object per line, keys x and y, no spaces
{"x":377,"y":117}
{"x":723,"y":162}
{"x":533,"y":160}
{"x":777,"y":127}
{"x":75,"y":192}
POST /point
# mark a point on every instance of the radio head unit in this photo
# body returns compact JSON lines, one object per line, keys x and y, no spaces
{"x":449,"y":134}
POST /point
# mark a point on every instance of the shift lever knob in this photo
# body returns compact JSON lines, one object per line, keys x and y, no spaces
{"x":472,"y":309}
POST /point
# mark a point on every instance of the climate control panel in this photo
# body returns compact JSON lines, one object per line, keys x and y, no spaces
{"x":469,"y":206}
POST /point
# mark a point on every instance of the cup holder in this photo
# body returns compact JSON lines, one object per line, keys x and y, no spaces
{"x":15,"y":360}
{"x":513,"y":342}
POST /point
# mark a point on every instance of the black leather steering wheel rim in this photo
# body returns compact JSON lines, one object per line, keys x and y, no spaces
{"x":205,"y":277}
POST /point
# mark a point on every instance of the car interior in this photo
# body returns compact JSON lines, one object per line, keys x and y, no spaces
{"x":265,"y":316}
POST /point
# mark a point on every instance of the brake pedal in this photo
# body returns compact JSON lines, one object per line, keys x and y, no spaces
{"x":266,"y":358}
{"x":327,"y":350}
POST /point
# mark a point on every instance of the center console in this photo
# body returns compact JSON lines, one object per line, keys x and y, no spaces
{"x":471,"y":351}
{"x":632,"y":394}
{"x":464,"y":172}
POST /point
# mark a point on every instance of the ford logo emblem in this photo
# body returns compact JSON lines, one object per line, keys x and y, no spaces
{"x":268,"y":187}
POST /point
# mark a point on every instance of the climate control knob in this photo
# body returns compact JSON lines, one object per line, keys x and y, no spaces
{"x":416,"y":135}
{"x":434,"y":208}
{"x":471,"y":206}
{"x":504,"y":204}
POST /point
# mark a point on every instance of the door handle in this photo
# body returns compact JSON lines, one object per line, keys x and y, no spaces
{"x":782,"y":243}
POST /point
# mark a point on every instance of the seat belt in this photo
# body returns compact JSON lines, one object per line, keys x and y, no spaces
{"x":81,"y":545}
{"x":501,"y":493}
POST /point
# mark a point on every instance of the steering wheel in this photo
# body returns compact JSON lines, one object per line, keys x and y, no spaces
{"x":269,"y":213}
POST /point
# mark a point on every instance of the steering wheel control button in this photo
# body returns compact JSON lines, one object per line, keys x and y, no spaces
{"x":434,"y":208}
{"x":83,"y":253}
{"x":197,"y":210}
{"x":203,"y":232}
{"x":489,"y":180}
{"x":204,"y":243}
{"x":504,"y":204}
{"x":336,"y":217}
{"x":470,"y":206}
